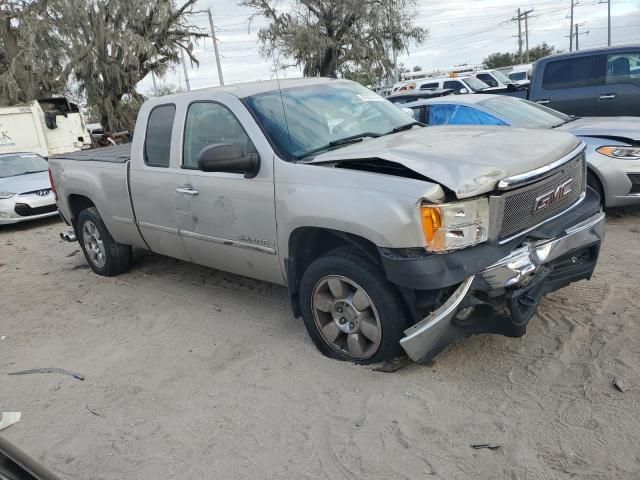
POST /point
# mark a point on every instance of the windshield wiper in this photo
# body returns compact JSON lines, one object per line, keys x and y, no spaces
{"x":571,"y":119}
{"x":407,"y":126}
{"x":337,"y":143}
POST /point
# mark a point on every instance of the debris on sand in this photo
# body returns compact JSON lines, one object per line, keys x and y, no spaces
{"x":9,"y":418}
{"x":490,"y":446}
{"x":50,"y":370}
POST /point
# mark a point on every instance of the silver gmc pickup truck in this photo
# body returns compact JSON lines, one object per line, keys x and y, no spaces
{"x":388,"y":235}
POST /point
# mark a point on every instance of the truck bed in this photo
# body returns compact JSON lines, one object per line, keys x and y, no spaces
{"x":114,"y":154}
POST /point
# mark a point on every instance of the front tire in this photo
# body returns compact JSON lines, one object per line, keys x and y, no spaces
{"x":351,"y":311}
{"x":105,"y":256}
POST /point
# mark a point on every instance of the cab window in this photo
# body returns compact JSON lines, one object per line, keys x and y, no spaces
{"x":576,"y":72}
{"x":157,"y":142}
{"x":209,"y":123}
{"x":623,"y":68}
{"x":455,"y":85}
{"x":488,"y":79}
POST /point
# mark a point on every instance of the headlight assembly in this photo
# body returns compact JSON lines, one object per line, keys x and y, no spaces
{"x":452,"y":226}
{"x":624,"y":153}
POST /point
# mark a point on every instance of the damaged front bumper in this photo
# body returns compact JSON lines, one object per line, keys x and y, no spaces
{"x":502,"y":297}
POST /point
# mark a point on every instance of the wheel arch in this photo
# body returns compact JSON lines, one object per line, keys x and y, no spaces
{"x":308,"y":243}
{"x":77,"y":203}
{"x":595,"y":174}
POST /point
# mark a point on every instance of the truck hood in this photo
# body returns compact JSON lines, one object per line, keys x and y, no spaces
{"x":25,"y":183}
{"x":620,"y":128}
{"x":467,"y":160}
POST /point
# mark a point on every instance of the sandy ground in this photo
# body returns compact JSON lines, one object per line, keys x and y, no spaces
{"x":198,"y":374}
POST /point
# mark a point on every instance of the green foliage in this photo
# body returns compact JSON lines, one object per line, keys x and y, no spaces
{"x":31,"y":54}
{"x":116,"y":43}
{"x":506,"y":59}
{"x":104,"y":48}
{"x":330,"y":36}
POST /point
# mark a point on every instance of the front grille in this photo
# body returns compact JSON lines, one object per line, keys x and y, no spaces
{"x":635,"y":182}
{"x":516,"y":209}
{"x":25,"y":210}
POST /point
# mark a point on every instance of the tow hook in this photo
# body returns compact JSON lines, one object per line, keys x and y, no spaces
{"x":68,"y":236}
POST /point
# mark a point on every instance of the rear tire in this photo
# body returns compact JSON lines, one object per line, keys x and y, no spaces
{"x":350,"y":309}
{"x":104,"y":255}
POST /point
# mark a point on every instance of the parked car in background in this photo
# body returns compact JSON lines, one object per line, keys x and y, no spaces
{"x":602,"y":82}
{"x":493,"y":78}
{"x":414,"y":95}
{"x":387,"y":234}
{"x":459,"y":85}
{"x":521,"y":74}
{"x":25,"y":189}
{"x":613,"y":144}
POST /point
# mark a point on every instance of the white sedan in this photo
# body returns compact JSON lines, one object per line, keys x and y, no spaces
{"x":25,"y":189}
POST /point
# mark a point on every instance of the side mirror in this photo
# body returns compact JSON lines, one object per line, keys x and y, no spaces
{"x":463,"y":91}
{"x":230,"y":158}
{"x":410,"y":112}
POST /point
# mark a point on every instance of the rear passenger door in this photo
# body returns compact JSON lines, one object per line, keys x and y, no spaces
{"x":620,"y":94}
{"x":571,"y":85}
{"x":159,"y":209}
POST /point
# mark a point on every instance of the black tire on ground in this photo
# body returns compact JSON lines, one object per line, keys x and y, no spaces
{"x":350,"y":263}
{"x":117,"y":257}
{"x":594,"y":182}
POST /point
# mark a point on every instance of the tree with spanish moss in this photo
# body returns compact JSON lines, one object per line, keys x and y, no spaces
{"x":32,"y":56}
{"x":325,"y":37}
{"x":114,"y":44}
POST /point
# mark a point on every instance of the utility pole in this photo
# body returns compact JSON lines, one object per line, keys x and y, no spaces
{"x":609,"y":23}
{"x":526,"y":34}
{"x":215,"y":47}
{"x":519,"y":36}
{"x":523,"y":15}
{"x":571,"y":27}
{"x":184,"y":67}
{"x":577,"y":34}
{"x":155,"y":84}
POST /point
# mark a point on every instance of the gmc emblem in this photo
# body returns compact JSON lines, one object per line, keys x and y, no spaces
{"x":554,"y":196}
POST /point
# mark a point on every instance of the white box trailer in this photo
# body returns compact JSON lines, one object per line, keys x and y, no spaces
{"x":47,"y":127}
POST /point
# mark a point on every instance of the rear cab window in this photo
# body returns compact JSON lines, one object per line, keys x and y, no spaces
{"x":157,"y":141}
{"x":587,"y":71}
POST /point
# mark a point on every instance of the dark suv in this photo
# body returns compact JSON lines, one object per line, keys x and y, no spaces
{"x":600,"y":82}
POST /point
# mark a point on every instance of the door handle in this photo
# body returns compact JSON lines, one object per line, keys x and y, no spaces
{"x":187,"y":190}
{"x":607,"y":96}
{"x":542,"y":102}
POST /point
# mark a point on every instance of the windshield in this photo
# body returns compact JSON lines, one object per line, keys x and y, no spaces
{"x":475,"y":84}
{"x":21,"y":164}
{"x":518,"y":76}
{"x":316,"y":115}
{"x":501,"y":77}
{"x":524,"y":113}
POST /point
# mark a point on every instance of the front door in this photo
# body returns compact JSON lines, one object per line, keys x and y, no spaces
{"x":232,"y":219}
{"x":620,"y":94}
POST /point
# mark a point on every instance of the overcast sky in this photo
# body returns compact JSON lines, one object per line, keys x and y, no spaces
{"x":460,"y":31}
